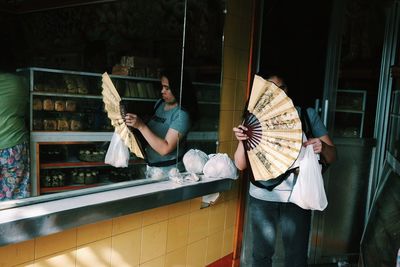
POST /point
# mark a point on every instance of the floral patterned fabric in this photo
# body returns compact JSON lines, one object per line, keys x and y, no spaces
{"x":14,"y":173}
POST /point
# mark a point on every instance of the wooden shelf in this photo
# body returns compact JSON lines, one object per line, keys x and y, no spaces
{"x":82,"y":164}
{"x":44,"y":190}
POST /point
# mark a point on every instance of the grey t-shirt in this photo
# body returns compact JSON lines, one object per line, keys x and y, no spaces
{"x":281,"y":193}
{"x":160,"y":123}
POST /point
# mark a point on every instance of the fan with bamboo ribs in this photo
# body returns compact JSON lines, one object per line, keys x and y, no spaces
{"x":274,"y":130}
{"x":112,"y":104}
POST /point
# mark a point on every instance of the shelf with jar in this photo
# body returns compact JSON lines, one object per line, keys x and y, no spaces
{"x":350,"y":113}
{"x":66,"y":113}
{"x":76,"y":165}
{"x":61,"y":179}
{"x":72,"y":101}
{"x":66,"y":110}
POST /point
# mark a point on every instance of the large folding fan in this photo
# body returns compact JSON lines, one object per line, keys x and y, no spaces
{"x":112,"y":105}
{"x":274,"y":130}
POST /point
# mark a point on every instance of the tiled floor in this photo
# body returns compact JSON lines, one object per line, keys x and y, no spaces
{"x":311,"y":265}
{"x":333,"y":265}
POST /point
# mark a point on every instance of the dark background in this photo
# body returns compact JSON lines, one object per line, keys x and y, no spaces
{"x":294,"y":43}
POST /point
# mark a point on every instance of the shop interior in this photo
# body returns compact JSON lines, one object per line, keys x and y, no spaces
{"x":334,"y":60}
{"x":63,"y":49}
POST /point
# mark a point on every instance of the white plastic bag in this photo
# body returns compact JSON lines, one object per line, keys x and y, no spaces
{"x":194,"y":160}
{"x":118,"y":153}
{"x":308,"y":192}
{"x":220,"y":166}
{"x":155,"y":173}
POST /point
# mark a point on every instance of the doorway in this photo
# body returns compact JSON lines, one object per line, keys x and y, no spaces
{"x":330,"y":54}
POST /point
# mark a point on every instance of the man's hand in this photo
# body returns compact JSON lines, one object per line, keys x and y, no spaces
{"x":240,"y":133}
{"x":316,"y":143}
{"x":323,"y":146}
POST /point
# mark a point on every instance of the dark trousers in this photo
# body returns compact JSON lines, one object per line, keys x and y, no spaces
{"x":263,"y":219}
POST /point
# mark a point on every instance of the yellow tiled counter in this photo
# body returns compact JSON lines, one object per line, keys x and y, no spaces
{"x":179,"y":234}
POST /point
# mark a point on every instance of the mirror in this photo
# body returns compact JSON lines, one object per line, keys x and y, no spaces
{"x":203,"y":62}
{"x":70,"y":46}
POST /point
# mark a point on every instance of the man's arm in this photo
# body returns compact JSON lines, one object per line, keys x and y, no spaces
{"x":240,"y":156}
{"x":328,"y":152}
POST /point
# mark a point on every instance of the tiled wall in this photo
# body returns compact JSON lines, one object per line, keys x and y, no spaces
{"x":235,"y":67}
{"x":181,"y":234}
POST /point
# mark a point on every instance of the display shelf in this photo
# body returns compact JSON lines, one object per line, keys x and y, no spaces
{"x":207,"y":93}
{"x":52,"y":90}
{"x":90,"y":96}
{"x":350,"y":113}
{"x":83,"y":73}
{"x":52,"y":125}
{"x":66,"y":110}
{"x":70,"y":137}
{"x":46,"y":190}
{"x":81,"y":164}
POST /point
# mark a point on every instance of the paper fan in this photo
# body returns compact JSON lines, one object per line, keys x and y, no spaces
{"x":112,"y":105}
{"x":274,"y":130}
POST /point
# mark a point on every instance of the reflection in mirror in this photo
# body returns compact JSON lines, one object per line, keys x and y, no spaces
{"x":68,"y":127}
{"x":203,"y":61}
{"x":63,"y":52}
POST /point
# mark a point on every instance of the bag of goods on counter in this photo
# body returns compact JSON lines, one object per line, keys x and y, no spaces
{"x":220,"y":166}
{"x":194,"y":160}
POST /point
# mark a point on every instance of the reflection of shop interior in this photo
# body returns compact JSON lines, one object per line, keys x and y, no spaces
{"x":63,"y":52}
{"x":97,"y":37}
{"x":90,"y":39}
{"x":104,"y":226}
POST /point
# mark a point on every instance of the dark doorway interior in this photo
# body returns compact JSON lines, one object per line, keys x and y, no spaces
{"x":293,"y":43}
